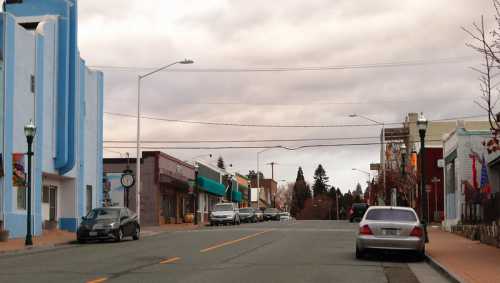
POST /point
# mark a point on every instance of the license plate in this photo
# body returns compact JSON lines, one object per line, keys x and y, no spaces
{"x":92,"y":233}
{"x":390,"y":232}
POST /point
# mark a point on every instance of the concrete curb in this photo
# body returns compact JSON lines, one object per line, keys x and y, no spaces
{"x":443,"y":270}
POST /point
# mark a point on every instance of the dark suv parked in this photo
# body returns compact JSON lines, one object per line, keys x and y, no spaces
{"x":357,"y":211}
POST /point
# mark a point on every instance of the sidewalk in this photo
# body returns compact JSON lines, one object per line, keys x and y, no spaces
{"x":48,"y":239}
{"x":471,"y":261}
{"x":54,"y":238}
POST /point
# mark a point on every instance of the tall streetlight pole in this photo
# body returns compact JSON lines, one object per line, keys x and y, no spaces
{"x":29,"y":131}
{"x":138,"y":141}
{"x":422,"y":128}
{"x":382,"y":143}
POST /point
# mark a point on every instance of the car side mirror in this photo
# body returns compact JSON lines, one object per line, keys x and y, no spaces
{"x":84,"y":218}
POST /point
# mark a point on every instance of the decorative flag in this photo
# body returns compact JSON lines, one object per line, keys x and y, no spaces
{"x":485,"y":183}
{"x":474,"y":172}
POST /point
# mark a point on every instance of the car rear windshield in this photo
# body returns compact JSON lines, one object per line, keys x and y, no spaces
{"x":271,"y":210}
{"x":359,"y":205}
{"x":391,"y":215}
{"x":223,"y":207}
{"x":104,"y":213}
{"x":246,"y":210}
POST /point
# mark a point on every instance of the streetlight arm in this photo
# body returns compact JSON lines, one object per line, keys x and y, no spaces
{"x":158,"y":70}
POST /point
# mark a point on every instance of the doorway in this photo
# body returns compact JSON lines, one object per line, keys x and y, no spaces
{"x":52,"y":203}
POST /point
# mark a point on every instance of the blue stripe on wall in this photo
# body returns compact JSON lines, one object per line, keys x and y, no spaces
{"x":39,"y":98}
{"x":100,"y":93}
{"x":81,"y":141}
{"x":9,"y":84}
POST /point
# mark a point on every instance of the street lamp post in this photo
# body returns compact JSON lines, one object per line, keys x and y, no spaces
{"x":195,"y":194}
{"x":29,"y":131}
{"x":382,"y":143}
{"x":422,"y":128}
{"x":138,"y":141}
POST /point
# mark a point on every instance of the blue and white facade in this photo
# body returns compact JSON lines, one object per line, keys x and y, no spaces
{"x":44,"y":79}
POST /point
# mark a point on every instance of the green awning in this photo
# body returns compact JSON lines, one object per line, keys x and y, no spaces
{"x":211,"y":186}
{"x":242,"y":187}
{"x":236,"y":196}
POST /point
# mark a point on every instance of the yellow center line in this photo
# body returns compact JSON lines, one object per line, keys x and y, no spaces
{"x":223,"y":244}
{"x":170,"y":260}
{"x":98,"y":280}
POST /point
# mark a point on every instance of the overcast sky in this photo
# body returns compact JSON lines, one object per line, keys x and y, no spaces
{"x":287,"y":33}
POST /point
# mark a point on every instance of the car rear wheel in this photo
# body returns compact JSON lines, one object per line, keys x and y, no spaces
{"x":137,"y":233}
{"x":359,"y":253}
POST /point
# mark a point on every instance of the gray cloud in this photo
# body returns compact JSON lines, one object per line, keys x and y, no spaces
{"x":290,"y":33}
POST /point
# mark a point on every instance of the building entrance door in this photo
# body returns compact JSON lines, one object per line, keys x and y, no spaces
{"x":52,"y":203}
{"x":169,"y":208}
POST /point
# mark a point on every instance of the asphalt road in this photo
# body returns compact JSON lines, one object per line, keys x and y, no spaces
{"x":298,"y":251}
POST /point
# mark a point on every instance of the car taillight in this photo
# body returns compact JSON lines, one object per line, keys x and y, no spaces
{"x":417,"y":232}
{"x":365,"y":230}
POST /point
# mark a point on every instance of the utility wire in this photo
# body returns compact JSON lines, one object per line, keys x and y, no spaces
{"x":408,"y":63}
{"x":250,"y":125}
{"x":245,"y":141}
{"x":254,"y":147}
{"x":278,"y":126}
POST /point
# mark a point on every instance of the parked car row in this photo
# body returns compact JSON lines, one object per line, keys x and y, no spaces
{"x":229,"y":213}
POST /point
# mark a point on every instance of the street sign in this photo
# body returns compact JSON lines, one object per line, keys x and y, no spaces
{"x":392,"y":134}
{"x":375,"y":166}
{"x":254,"y":194}
{"x":428,"y":188}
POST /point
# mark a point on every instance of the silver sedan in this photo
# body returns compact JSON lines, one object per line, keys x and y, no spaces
{"x":390,"y":228}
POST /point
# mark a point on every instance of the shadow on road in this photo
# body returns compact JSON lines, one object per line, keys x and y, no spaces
{"x":389,"y":256}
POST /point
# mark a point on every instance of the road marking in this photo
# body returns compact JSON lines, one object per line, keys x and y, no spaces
{"x":170,"y":260}
{"x":223,"y":244}
{"x":98,"y":280}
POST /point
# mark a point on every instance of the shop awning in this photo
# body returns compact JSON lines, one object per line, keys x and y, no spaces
{"x":236,"y":196}
{"x":211,"y":186}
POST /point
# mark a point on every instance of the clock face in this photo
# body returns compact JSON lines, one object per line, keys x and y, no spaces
{"x":127,"y":180}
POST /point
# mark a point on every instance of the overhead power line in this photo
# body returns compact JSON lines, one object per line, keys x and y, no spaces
{"x":244,"y":141}
{"x":233,"y":124}
{"x":249,"y":147}
{"x":395,"y":64}
{"x":250,"y":125}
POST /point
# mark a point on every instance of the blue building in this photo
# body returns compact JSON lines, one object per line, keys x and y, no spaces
{"x":43,"y":79}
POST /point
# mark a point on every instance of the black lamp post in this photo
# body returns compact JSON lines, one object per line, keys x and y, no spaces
{"x":195,"y":194}
{"x":29,"y":131}
{"x":422,"y":128}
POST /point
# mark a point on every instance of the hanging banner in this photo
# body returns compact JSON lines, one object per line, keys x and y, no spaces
{"x":18,"y":170}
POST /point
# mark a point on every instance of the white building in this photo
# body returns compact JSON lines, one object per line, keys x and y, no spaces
{"x":461,"y":147}
{"x":45,"y":80}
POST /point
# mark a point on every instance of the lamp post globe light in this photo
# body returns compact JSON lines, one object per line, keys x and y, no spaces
{"x":29,"y":132}
{"x":138,"y":137}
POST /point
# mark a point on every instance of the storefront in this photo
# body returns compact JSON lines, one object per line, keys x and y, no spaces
{"x":167,"y":184}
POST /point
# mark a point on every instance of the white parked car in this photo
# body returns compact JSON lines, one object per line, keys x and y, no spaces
{"x":390,"y":228}
{"x":285,"y":216}
{"x":224,"y":213}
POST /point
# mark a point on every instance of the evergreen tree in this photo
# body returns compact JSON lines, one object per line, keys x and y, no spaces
{"x":252,"y":175}
{"x":220,"y":163}
{"x":359,"y":191}
{"x":320,"y":181}
{"x":301,"y":192}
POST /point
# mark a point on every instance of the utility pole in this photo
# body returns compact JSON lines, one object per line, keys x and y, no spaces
{"x":272,"y":168}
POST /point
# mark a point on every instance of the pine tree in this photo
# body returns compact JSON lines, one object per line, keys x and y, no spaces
{"x":320,"y":181}
{"x":220,"y":163}
{"x":301,"y":192}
